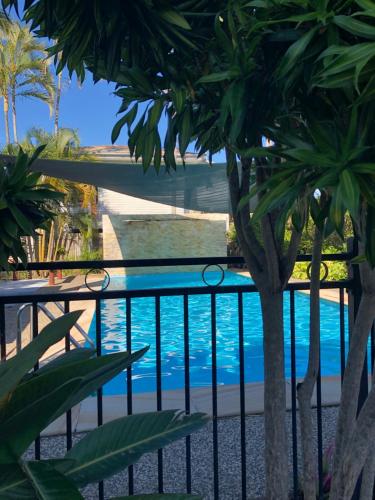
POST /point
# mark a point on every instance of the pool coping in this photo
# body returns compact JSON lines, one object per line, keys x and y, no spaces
{"x":84,"y":415}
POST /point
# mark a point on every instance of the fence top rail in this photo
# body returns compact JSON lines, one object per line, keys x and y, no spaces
{"x":128,"y":263}
{"x":159,"y":292}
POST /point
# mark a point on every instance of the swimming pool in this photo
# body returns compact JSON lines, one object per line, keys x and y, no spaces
{"x":143,"y":327}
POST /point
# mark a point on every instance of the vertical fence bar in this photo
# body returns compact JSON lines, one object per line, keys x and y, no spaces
{"x":242,"y":394}
{"x":99,"y":396}
{"x":129,"y":388}
{"x":69,"y":412}
{"x":214,"y":398}
{"x":342,"y":333}
{"x":158,"y":386}
{"x":35,"y":332}
{"x":187,"y":389}
{"x":293,"y":390}
{"x":3,"y":349}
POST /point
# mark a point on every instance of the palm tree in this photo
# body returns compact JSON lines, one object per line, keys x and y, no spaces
{"x":65,"y":143}
{"x":23,"y":73}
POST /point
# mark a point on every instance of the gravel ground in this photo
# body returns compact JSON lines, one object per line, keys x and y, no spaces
{"x":145,"y":471}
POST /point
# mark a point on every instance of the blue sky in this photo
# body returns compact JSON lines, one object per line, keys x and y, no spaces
{"x":91,"y":109}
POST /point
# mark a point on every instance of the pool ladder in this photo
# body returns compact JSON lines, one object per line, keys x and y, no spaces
{"x":51,"y":317}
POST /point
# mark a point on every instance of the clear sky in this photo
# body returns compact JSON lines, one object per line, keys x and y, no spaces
{"x":91,"y":109}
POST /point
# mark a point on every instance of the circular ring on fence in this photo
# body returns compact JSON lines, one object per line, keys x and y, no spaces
{"x":106,"y":281}
{"x":325,"y":275}
{"x":221,"y":277}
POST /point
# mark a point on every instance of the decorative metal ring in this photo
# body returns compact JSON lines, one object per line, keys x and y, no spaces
{"x":221,"y":278}
{"x":106,"y":281}
{"x":325,"y":275}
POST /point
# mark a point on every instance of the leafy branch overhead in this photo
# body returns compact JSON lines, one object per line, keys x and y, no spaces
{"x":40,"y":396}
{"x":26,"y":205}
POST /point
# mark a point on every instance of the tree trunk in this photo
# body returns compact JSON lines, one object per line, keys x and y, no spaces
{"x":356,"y":452}
{"x":306,"y":388}
{"x":57,"y":104}
{"x":276,"y":456}
{"x":14,"y":116}
{"x":6,"y":120}
{"x":349,"y":442}
{"x":368,"y":476}
{"x":51,"y":241}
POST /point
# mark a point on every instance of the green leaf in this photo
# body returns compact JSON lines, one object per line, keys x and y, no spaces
{"x":336,"y":211}
{"x":157,"y":152}
{"x":173,"y":17}
{"x":355,"y":27}
{"x":118,"y":127}
{"x":14,"y":484}
{"x":186,"y":131}
{"x":154,"y":114}
{"x":295,"y":52}
{"x":365,"y":4}
{"x":50,"y":484}
{"x":15,"y":436}
{"x":67,"y":359}
{"x":25,"y":225}
{"x":37,"y":152}
{"x":178,"y":98}
{"x":42,"y":399}
{"x":218,"y":77}
{"x":349,"y":191}
{"x":12,"y":370}
{"x":148,"y":147}
{"x":364,"y":168}
{"x":120,"y":443}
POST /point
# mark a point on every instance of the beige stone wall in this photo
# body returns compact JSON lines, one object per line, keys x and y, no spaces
{"x":154,"y":237}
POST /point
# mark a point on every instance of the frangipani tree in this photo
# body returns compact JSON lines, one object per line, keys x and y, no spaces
{"x":329,"y":70}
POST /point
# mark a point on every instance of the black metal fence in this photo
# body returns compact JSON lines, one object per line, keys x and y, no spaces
{"x":240,"y":291}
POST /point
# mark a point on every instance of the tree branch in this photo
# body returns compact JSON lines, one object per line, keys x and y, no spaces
{"x":253,"y":253}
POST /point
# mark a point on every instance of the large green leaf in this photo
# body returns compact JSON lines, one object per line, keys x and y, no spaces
{"x":15,"y":436}
{"x":68,"y":358}
{"x":12,"y":371}
{"x":120,"y":443}
{"x":14,"y":484}
{"x":50,"y":484}
{"x":42,"y":399}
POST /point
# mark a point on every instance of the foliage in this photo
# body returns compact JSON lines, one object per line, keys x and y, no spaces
{"x":23,"y":71}
{"x":40,"y":396}
{"x":65,"y":144}
{"x":25,"y":205}
{"x":80,"y":199}
{"x":116,"y":31}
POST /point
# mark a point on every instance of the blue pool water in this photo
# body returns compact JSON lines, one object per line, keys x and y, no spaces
{"x":172,"y":333}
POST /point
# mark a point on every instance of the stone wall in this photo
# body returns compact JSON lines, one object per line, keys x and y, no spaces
{"x":162,"y":236}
